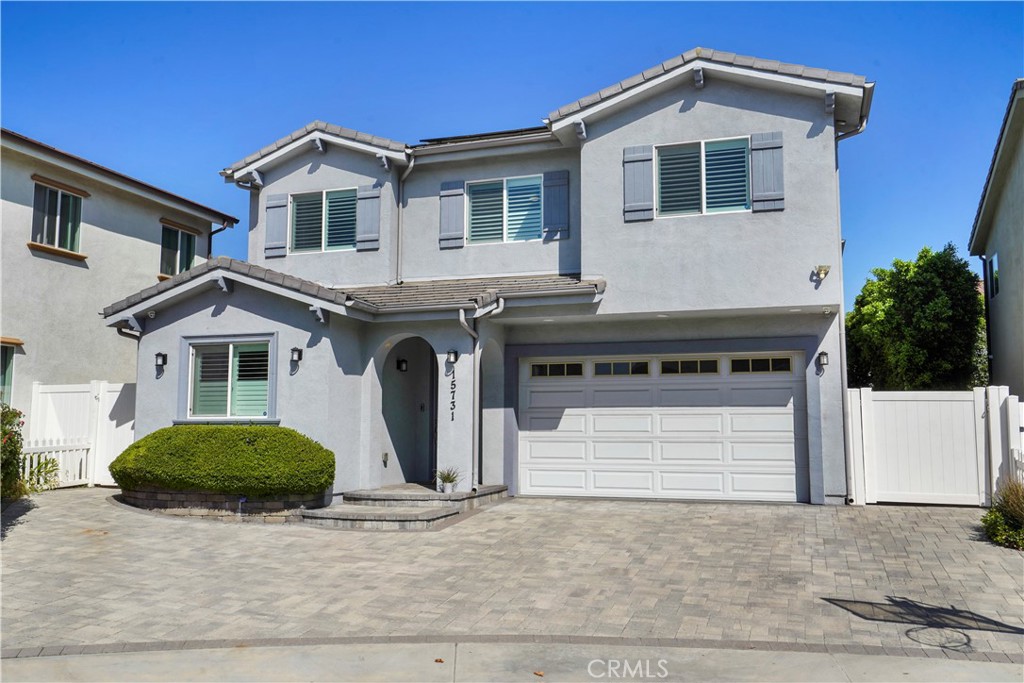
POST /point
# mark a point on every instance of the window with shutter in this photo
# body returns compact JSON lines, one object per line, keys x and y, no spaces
{"x":727,"y":167}
{"x":679,"y":180}
{"x":703,"y":177}
{"x":323,"y":221}
{"x":230,"y":380}
{"x":307,"y":222}
{"x":507,"y":210}
{"x":486,"y":213}
{"x":341,"y":219}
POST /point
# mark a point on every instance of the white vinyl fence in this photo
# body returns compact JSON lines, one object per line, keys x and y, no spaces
{"x":944,"y":447}
{"x":81,"y":426}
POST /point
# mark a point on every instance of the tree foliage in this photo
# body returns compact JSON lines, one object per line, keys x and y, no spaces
{"x":918,"y":325}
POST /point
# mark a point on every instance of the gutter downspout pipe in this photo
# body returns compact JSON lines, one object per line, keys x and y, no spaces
{"x":473,"y":472}
{"x":988,"y":329}
{"x":401,"y":212}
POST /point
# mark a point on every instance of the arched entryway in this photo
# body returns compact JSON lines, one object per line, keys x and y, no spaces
{"x":409,"y":407}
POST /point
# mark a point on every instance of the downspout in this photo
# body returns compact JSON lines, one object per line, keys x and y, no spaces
{"x":988,"y":330}
{"x":474,"y":475}
{"x":401,"y":212}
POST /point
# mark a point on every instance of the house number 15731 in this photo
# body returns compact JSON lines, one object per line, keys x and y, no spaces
{"x":453,"y":394}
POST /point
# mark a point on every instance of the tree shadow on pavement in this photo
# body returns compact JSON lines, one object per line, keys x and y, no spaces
{"x":14,"y":514}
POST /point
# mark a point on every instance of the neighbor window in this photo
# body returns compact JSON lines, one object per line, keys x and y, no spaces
{"x":703,"y":177}
{"x":993,"y":275}
{"x":508,"y":210}
{"x":626,"y":367}
{"x":57,"y":218}
{"x":177,"y":251}
{"x":6,"y":372}
{"x":752,"y":365}
{"x":230,"y":380}
{"x":323,"y":221}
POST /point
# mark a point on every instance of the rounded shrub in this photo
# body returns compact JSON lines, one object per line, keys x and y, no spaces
{"x":245,"y":460}
{"x":1004,"y":522}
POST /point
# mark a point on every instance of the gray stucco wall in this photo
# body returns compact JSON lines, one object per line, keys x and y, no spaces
{"x":53,"y":303}
{"x":715,"y":261}
{"x":335,"y":169}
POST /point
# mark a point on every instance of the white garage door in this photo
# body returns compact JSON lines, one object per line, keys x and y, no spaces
{"x":729,"y":427}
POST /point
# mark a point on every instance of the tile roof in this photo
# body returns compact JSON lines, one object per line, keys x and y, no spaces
{"x":323,"y":127}
{"x":429,"y":294}
{"x":707,"y":55}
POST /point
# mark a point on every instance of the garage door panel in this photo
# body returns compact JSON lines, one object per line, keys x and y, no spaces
{"x":754,"y":452}
{"x":692,"y":451}
{"x":623,"y":423}
{"x":556,"y":450}
{"x":704,"y":397}
{"x":752,"y":396}
{"x":557,"y":481}
{"x":690,"y":424}
{"x":562,"y":423}
{"x":619,"y":398}
{"x":781,"y":423}
{"x":693,"y":484}
{"x":764,"y":485}
{"x":612,"y":482}
{"x":628,"y":451}
{"x":556,"y":398}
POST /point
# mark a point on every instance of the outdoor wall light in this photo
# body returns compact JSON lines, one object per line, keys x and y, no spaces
{"x":161,"y":360}
{"x":403,"y":365}
{"x":296,"y":354}
{"x":822,"y":271}
{"x":453,"y":356}
{"x":823,"y":358}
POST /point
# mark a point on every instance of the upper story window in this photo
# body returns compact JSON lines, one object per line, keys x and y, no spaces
{"x":177,"y":250}
{"x":322,"y":221}
{"x":506,"y":210}
{"x":993,"y":275}
{"x":57,"y":217}
{"x":230,"y":380}
{"x":6,"y":372}
{"x":703,"y":177}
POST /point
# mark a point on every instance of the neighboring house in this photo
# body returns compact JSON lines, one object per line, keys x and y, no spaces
{"x":75,"y":235}
{"x":998,"y":238}
{"x":641,"y":298}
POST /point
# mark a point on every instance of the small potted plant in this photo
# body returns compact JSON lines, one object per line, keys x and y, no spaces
{"x":448,"y":478}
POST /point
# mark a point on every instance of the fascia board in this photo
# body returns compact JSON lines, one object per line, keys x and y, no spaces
{"x":296,"y":146}
{"x":469,"y":151}
{"x":790,"y":83}
{"x":980,"y":229}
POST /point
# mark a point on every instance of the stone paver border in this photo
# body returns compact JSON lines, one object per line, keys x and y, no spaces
{"x":832,"y":648}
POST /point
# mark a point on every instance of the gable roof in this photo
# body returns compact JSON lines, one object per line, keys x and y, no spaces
{"x":429,"y":295}
{"x":1011,"y":127}
{"x":38,"y":147}
{"x":714,"y":56}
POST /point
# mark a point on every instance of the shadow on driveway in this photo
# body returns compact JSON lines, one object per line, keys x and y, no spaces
{"x":12,"y":515}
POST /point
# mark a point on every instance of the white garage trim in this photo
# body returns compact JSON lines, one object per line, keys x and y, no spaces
{"x":632,"y":431}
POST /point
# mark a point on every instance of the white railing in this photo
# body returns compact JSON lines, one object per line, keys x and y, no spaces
{"x":71,"y":455}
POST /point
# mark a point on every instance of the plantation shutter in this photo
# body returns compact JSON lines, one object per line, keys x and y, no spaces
{"x":679,"y":180}
{"x":453,"y":215}
{"x":368,"y":219}
{"x":638,"y":183}
{"x":276,"y":239}
{"x":249,"y":380}
{"x":726,"y":170}
{"x":486,"y":212}
{"x":307,"y":222}
{"x":766,"y":182}
{"x":341,"y":219}
{"x":556,"y":205}
{"x":525,"y":212}
{"x":210,"y":381}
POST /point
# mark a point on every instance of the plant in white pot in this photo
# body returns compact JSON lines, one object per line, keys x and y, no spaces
{"x":448,"y":478}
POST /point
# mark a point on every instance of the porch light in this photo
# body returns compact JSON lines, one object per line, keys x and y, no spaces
{"x":296,"y":354}
{"x":403,"y":365}
{"x":453,"y":356}
{"x":161,"y":360}
{"x":822,"y":271}
{"x":823,"y":358}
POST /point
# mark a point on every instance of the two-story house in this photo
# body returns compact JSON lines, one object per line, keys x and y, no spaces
{"x":75,"y":235}
{"x":640,"y":298}
{"x":998,"y":238}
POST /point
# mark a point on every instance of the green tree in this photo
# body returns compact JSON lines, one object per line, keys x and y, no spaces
{"x":918,"y":325}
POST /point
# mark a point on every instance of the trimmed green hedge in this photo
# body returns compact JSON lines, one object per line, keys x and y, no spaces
{"x":247,"y":460}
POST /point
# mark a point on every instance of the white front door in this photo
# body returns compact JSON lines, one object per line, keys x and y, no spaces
{"x":701,"y":426}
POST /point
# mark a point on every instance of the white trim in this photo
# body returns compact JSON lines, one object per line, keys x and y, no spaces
{"x":504,"y":209}
{"x":323,"y":222}
{"x":58,"y":216}
{"x":703,"y":178}
{"x":295,"y":145}
{"x":177,"y":253}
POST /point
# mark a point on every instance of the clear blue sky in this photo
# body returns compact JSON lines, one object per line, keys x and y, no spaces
{"x":172,"y":92}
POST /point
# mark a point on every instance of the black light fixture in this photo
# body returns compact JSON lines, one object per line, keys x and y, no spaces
{"x":453,"y":356}
{"x":161,"y":360}
{"x":823,"y":358}
{"x":403,"y":365}
{"x":296,"y":354}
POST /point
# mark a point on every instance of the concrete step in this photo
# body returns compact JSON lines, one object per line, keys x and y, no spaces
{"x":412,"y":495}
{"x":346,"y":516}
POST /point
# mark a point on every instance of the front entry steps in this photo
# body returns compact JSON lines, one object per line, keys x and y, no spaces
{"x":402,"y":506}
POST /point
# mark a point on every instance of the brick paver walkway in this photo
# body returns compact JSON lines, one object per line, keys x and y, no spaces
{"x":78,"y":569}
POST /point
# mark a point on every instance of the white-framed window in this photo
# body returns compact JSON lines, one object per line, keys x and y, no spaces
{"x":702,"y":177}
{"x":57,"y":218}
{"x":177,"y":250}
{"x":229,"y":379}
{"x":562,"y":370}
{"x":6,"y":372}
{"x":322,"y":221}
{"x":993,"y":275}
{"x":505,"y":210}
{"x":783,"y":364}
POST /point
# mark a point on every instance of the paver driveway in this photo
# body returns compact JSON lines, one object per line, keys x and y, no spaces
{"x":78,"y":569}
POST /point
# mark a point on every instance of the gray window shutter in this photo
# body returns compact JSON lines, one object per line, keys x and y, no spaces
{"x":367,"y":218}
{"x":556,"y":205}
{"x":766,"y":193}
{"x":638,"y":183}
{"x":453,"y":214}
{"x":39,"y":215}
{"x":275,"y":242}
